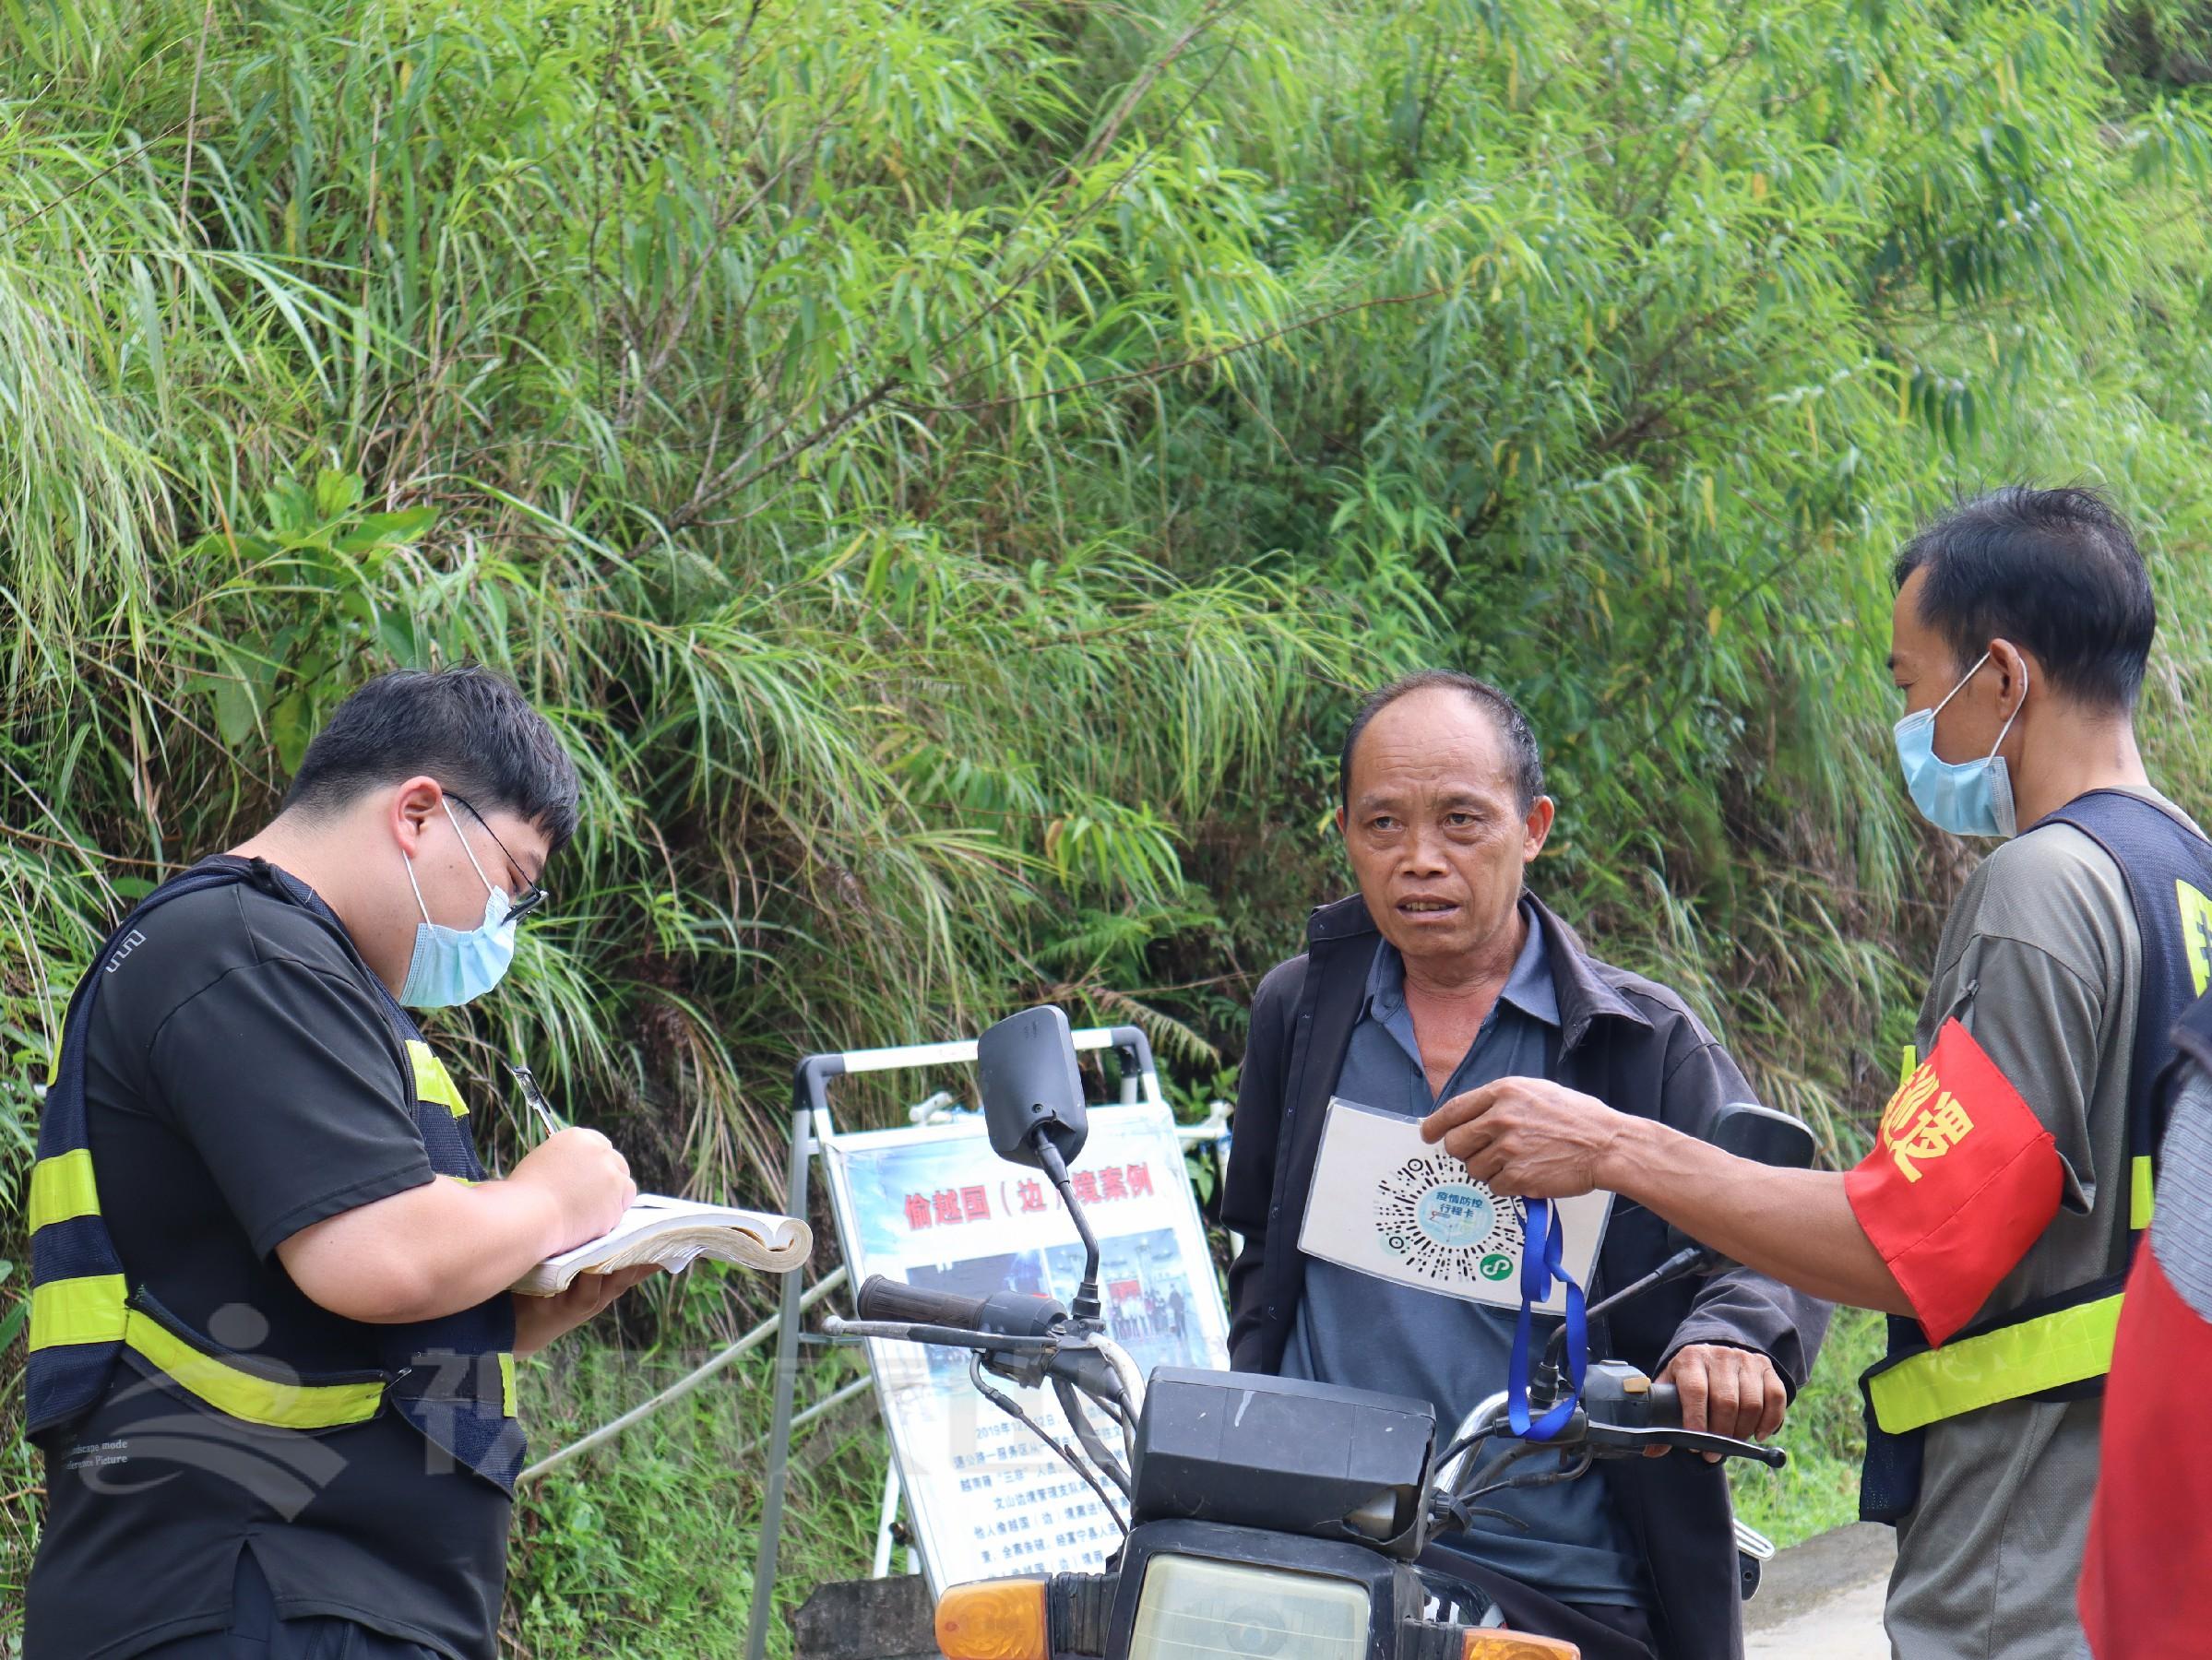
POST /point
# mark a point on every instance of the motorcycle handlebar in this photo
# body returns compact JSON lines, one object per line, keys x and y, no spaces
{"x":885,"y":1299}
{"x":1003,"y":1313}
{"x":1662,"y":1411}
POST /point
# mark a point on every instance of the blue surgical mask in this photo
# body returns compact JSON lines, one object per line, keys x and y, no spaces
{"x":453,"y":965}
{"x":1966,"y":797}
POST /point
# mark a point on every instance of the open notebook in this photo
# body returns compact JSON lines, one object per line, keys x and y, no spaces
{"x":675,"y":1233}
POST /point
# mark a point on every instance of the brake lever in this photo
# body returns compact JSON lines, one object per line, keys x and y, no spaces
{"x":1018,"y":1359}
{"x":900,"y":1330}
{"x":1616,"y":1440}
{"x":1089,"y":1371}
{"x":1029,"y":1368}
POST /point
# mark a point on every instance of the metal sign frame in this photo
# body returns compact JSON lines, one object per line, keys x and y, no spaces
{"x":811,"y":1127}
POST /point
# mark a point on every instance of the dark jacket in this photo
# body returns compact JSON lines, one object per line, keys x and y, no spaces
{"x":1634,"y":1046}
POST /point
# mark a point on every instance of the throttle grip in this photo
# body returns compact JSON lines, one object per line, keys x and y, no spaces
{"x":1663,"y":1411}
{"x":884,"y":1298}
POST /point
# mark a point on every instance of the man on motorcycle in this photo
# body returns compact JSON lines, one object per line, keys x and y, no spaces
{"x":1441,"y":973}
{"x":2012,"y":1174}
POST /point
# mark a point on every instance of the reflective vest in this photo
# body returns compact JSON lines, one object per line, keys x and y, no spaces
{"x":2060,"y":1348}
{"x":453,"y":1378}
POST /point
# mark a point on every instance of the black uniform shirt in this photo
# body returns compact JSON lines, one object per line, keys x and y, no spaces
{"x":243,"y":1082}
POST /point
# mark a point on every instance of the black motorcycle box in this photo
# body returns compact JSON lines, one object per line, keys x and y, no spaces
{"x":1284,"y":1455}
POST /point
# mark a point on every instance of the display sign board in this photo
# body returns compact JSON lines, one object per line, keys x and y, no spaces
{"x":934,"y":1206}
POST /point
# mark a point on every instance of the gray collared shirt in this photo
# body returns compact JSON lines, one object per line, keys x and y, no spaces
{"x":2042,"y":960}
{"x":1368,"y":1334}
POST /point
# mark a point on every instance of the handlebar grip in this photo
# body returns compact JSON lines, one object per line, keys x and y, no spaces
{"x":1664,"y":1410}
{"x":894,"y":1301}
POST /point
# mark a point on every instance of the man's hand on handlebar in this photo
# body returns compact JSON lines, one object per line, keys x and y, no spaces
{"x":1539,"y":1140}
{"x":1726,"y":1391}
{"x":1528,"y":1136}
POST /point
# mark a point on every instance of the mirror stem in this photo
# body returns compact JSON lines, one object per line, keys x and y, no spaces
{"x":1084,"y":1307}
{"x":1690,"y":1259}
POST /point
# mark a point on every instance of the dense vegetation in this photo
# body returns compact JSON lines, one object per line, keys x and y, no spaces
{"x":947,"y":465}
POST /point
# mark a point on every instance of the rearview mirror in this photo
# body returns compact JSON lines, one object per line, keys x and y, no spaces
{"x":1763,"y":1136}
{"x":1026,"y":1072}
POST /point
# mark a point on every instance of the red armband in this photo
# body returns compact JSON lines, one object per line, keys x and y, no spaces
{"x":1962,"y":1180}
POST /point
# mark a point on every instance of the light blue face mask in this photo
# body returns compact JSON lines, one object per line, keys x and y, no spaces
{"x":1966,"y":797}
{"x":453,"y":966}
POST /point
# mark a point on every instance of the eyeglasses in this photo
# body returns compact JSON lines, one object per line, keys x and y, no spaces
{"x":534,"y":896}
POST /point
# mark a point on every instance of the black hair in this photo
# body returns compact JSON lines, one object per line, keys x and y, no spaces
{"x":2057,"y":572}
{"x":1513,"y":726}
{"x":468,"y":726}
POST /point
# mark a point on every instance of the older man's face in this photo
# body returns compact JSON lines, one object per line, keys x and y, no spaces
{"x":1436,"y":836}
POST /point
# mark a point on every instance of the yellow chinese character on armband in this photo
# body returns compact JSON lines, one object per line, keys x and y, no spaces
{"x":1934,"y":1132}
{"x":1904,"y":1106}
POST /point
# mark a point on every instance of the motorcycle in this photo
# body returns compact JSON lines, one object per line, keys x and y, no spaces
{"x":1261,"y":1516}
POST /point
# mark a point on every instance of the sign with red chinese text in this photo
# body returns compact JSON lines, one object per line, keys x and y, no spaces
{"x":934,"y":1206}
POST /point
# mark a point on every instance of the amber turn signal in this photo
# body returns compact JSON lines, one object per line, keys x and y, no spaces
{"x":1516,"y":1645}
{"x":1004,"y":1619}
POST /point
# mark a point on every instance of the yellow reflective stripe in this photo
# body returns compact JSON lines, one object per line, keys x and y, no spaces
{"x":432,"y":1082}
{"x":241,"y":1394}
{"x":1912,"y":1064}
{"x":2196,"y":929}
{"x":506,"y":1384}
{"x":85,"y":1310}
{"x":1971,"y":1372}
{"x":61,"y":1188}
{"x":2139,"y":1192}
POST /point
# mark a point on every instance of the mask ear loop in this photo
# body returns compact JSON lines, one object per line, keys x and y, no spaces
{"x":411,"y":883}
{"x":471,"y":852}
{"x":2009,"y":719}
{"x":465,"y":849}
{"x":1954,"y":692}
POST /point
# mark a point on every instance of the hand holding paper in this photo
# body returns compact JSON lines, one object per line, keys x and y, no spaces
{"x":1385,"y":1202}
{"x":1528,"y":1136}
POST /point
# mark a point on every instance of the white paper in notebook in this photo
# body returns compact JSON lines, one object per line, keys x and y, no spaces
{"x":676,"y":1233}
{"x":1386,"y":1203}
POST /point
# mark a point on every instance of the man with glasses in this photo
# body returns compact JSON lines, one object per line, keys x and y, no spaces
{"x":271,"y":1358}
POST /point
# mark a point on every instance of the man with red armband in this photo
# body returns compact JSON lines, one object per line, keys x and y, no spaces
{"x":2146,"y":1591}
{"x":2012,"y":1173}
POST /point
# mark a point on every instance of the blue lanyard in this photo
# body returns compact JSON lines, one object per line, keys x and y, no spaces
{"x":1543,"y":1238}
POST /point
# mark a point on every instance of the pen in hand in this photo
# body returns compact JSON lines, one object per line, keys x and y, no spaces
{"x":536,"y":1097}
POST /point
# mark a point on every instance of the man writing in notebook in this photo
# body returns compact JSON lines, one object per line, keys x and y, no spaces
{"x":272,"y":1341}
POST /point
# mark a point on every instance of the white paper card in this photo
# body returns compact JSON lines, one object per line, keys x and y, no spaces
{"x":1386,"y":1203}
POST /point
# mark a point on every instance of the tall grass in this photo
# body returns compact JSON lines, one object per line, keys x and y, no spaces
{"x":947,"y":465}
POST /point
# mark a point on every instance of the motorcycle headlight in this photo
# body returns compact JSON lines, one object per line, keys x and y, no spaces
{"x":1192,"y":1610}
